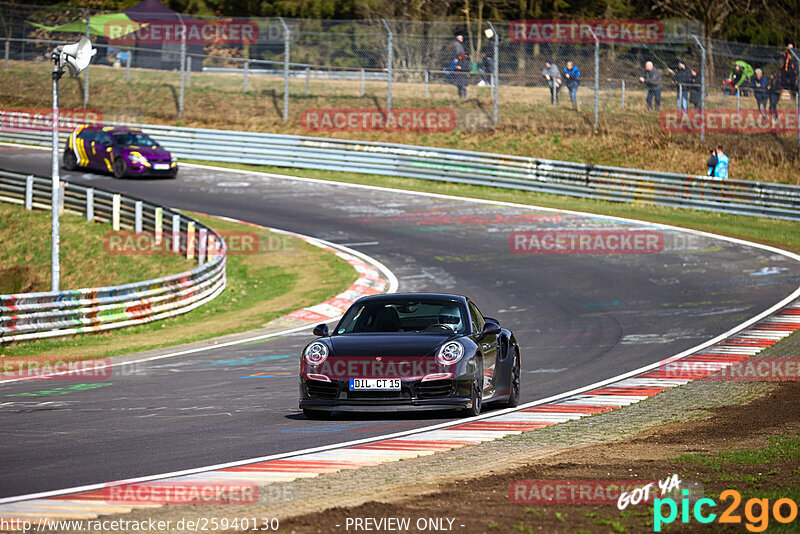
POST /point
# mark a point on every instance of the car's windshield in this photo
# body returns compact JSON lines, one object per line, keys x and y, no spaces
{"x":133,"y":139}
{"x":435,"y":316}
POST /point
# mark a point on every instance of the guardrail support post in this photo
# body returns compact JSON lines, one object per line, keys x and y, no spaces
{"x":201,"y":253}
{"x":244,"y":80}
{"x":190,"y":240}
{"x":286,"y":50}
{"x":90,"y":204}
{"x":29,"y":193}
{"x":159,"y":222}
{"x":115,"y":203}
{"x":623,"y":94}
{"x":176,"y":233}
{"x":389,"y":74}
{"x":137,"y":218}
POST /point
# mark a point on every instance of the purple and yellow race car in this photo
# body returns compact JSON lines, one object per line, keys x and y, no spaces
{"x":120,"y":151}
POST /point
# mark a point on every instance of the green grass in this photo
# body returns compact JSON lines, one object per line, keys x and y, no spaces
{"x":774,"y":232}
{"x":260,"y":287}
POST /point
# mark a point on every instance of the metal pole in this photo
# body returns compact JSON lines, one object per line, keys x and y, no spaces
{"x":55,"y":241}
{"x":702,"y":87}
{"x":90,"y":204}
{"x":495,"y":76}
{"x":737,"y":101}
{"x":596,"y":80}
{"x":427,"y":76}
{"x":308,"y":76}
{"x":188,"y":71}
{"x":389,"y":61}
{"x":128,"y":65}
{"x":29,"y":192}
{"x":623,"y":94}
{"x":363,"y":82}
{"x":86,"y":76}
{"x":286,"y":38}
{"x":8,"y":50}
{"x":797,"y":96}
{"x":244,"y":81}
{"x":183,"y":65}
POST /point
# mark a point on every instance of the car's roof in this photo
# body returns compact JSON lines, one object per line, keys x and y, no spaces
{"x":111,"y":129}
{"x":394,"y":296}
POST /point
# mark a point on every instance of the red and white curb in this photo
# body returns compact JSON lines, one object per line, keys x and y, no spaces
{"x":90,"y":502}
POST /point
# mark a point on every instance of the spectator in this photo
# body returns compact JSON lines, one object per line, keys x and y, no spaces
{"x":682,"y":78}
{"x":458,"y":45}
{"x":740,"y":77}
{"x":652,"y":79}
{"x":487,"y":62}
{"x":718,"y":164}
{"x":759,"y":86}
{"x":461,"y":75}
{"x":789,"y":70}
{"x":774,"y":87}
{"x":572,"y":75}
{"x":552,"y":77}
{"x":694,"y":89}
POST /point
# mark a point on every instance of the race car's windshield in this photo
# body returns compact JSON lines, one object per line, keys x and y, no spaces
{"x":436,"y":316}
{"x":134,"y":139}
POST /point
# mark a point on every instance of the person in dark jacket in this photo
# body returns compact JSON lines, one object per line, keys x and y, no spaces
{"x":695,"y":89}
{"x":774,"y":87}
{"x":759,"y":85}
{"x":572,"y":78}
{"x":487,"y":61}
{"x":461,"y":75}
{"x":682,"y":78}
{"x":789,"y":70}
{"x":552,"y":77}
{"x":652,"y":79}
{"x":458,"y":45}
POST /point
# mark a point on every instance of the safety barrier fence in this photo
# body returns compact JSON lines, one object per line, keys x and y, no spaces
{"x":28,"y":316}
{"x":449,"y":165}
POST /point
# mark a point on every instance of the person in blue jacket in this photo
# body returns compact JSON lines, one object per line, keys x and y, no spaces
{"x":759,"y":84}
{"x":718,"y":164}
{"x":572,"y":77}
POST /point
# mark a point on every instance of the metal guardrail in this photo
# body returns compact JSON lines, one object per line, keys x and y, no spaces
{"x":450,"y":165}
{"x":27,"y":316}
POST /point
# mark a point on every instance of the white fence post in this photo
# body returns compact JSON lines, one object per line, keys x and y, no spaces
{"x":190,"y":240}
{"x":176,"y":233}
{"x":137,"y":218}
{"x":115,"y":202}
{"x":201,"y":253}
{"x":159,"y":230}
{"x":90,"y":204}
{"x":29,"y":193}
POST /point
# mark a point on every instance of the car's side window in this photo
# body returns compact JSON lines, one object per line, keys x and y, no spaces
{"x":477,"y":318}
{"x":104,"y":138}
{"x":87,"y":136}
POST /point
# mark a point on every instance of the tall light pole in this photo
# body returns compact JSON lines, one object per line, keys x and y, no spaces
{"x":75,"y":57}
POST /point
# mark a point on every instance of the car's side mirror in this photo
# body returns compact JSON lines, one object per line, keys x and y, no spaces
{"x":321,"y":330}
{"x":490,"y":328}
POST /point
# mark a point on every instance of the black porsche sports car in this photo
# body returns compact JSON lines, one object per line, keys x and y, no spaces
{"x":410,"y":352}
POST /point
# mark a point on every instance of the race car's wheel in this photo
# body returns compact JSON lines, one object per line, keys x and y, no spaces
{"x":477,"y":391}
{"x":120,"y":168}
{"x":513,"y":398}
{"x":70,"y":160}
{"x":316,"y":415}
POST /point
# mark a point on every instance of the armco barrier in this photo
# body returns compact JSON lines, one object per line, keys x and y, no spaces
{"x":29,"y":316}
{"x":449,"y":165}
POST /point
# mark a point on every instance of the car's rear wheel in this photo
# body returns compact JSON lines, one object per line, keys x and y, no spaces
{"x":515,"y":385}
{"x":70,"y":160}
{"x":477,"y":391}
{"x":120,"y":168}
{"x":316,"y":415}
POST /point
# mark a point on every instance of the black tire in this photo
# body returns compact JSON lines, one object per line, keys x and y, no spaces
{"x":70,"y":160}
{"x":477,"y":392}
{"x":316,"y":415}
{"x":513,"y":399}
{"x":120,"y":168}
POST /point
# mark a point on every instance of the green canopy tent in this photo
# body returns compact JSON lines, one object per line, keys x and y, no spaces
{"x":110,"y":26}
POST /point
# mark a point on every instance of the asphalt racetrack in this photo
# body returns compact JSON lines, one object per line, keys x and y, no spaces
{"x":579,"y":318}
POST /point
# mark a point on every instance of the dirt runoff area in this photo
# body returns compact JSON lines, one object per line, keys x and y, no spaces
{"x":753,"y":448}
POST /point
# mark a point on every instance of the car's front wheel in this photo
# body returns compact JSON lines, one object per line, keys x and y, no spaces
{"x":515,"y":385}
{"x":120,"y":168}
{"x":476,"y":391}
{"x":70,"y":160}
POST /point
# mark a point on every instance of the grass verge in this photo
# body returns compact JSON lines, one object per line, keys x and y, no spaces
{"x":283,"y":275}
{"x":774,"y":232}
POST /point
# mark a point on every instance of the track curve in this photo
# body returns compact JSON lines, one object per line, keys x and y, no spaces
{"x":579,"y":318}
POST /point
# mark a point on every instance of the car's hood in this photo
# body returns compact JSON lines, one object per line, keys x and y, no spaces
{"x":147,"y":151}
{"x":404,"y":344}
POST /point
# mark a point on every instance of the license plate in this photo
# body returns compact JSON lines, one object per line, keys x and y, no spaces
{"x":161,"y":166}
{"x":375,"y":384}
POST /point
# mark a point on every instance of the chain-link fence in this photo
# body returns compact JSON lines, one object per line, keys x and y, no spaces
{"x":329,"y":75}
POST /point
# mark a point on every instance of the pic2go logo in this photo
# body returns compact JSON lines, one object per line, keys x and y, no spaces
{"x":756,"y":511}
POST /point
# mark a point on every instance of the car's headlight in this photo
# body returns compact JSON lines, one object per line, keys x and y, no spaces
{"x":316,"y":353}
{"x":137,"y":158}
{"x":173,"y":159}
{"x":450,"y":353}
